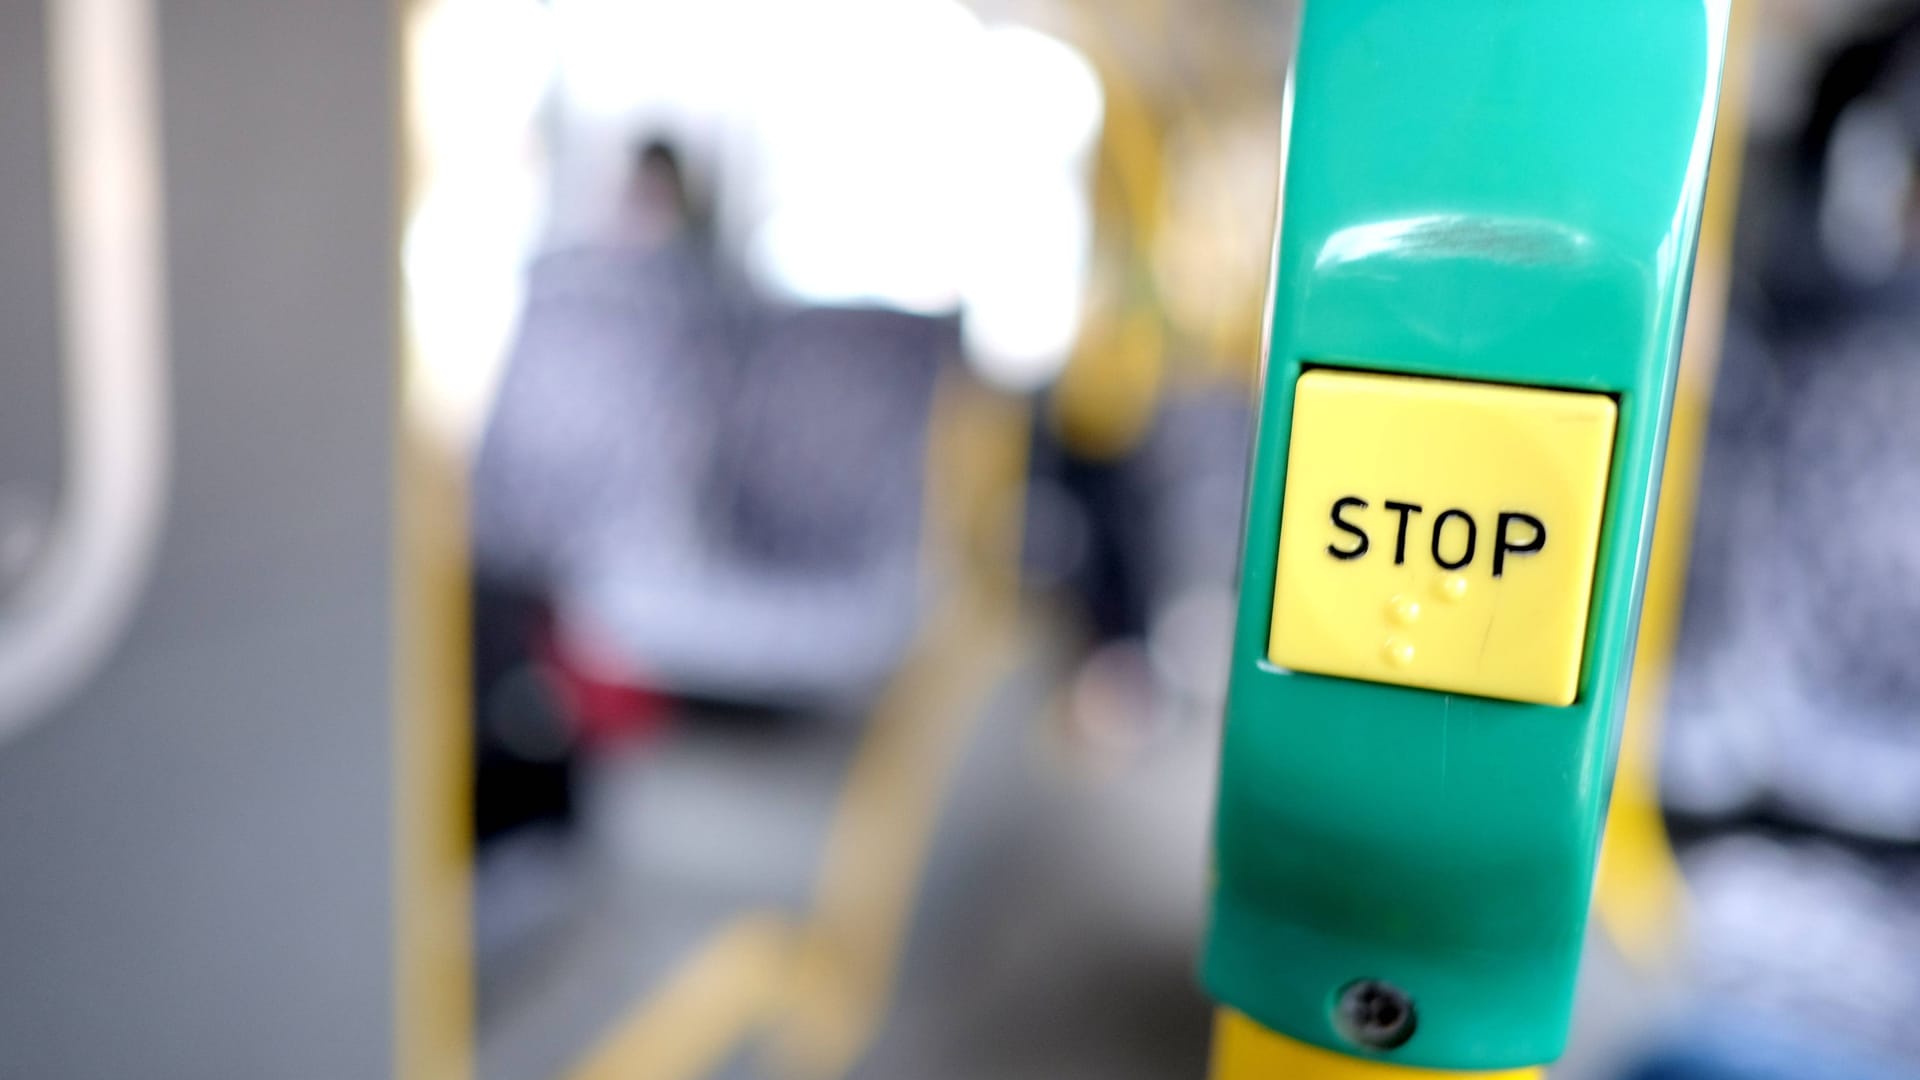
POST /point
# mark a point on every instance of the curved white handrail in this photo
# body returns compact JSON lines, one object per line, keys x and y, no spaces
{"x":104,"y":134}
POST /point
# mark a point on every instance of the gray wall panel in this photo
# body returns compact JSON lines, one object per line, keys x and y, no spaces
{"x":194,"y":855}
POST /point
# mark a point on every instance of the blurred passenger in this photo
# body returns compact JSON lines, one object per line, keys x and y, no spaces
{"x":602,"y":412}
{"x":658,"y":208}
{"x":687,"y":491}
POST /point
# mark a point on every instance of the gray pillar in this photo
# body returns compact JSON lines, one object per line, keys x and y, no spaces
{"x":195,"y":849}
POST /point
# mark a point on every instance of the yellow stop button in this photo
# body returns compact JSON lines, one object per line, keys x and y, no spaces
{"x":1441,"y":534}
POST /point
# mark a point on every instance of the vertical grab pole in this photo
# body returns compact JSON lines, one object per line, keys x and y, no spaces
{"x":1489,"y":224}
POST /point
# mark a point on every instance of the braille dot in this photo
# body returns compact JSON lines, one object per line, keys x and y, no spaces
{"x":1399,"y":652}
{"x":1404,"y":610}
{"x":1453,"y":589}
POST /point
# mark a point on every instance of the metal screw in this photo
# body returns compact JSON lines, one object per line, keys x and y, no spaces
{"x":1376,"y":1015}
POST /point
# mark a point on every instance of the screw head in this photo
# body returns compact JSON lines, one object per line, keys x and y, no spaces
{"x":1376,"y":1015}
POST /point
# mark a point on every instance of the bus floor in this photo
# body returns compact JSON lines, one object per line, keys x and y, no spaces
{"x":1049,"y":897}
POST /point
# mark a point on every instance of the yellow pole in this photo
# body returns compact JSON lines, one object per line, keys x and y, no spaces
{"x":1638,"y":896}
{"x":1243,"y":1050}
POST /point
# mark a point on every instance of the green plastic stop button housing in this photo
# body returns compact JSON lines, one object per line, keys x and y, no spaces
{"x":1479,"y":194}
